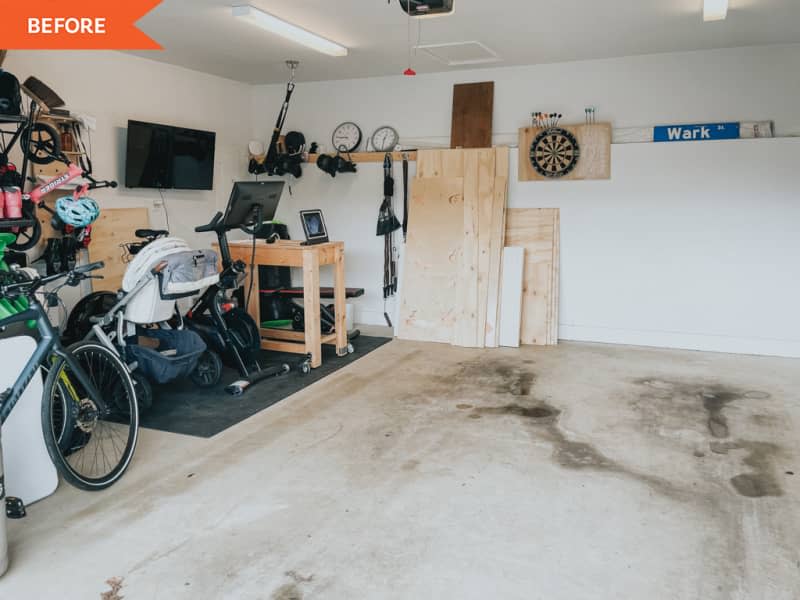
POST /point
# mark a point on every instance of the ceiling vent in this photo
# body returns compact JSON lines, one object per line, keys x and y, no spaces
{"x":427,"y":8}
{"x":456,"y":54}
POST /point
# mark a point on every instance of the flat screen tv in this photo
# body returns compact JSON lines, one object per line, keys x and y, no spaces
{"x":165,"y":157}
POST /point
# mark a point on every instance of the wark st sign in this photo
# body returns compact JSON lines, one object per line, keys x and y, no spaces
{"x":696,"y":133}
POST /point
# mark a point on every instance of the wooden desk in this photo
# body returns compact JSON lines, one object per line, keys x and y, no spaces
{"x":286,"y":253}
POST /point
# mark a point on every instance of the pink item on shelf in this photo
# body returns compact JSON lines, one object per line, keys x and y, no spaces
{"x":12,"y":203}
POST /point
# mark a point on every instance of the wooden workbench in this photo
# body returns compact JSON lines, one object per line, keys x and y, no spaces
{"x":286,"y":253}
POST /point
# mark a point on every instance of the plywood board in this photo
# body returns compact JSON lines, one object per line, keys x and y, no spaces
{"x":595,"y":153}
{"x":486,"y":201}
{"x":556,"y":279}
{"x":433,"y":252}
{"x":114,"y":227}
{"x":466,"y":297}
{"x":465,"y":332}
{"x":533,"y":229}
{"x":492,"y":331}
{"x":473,"y":110}
{"x":511,"y":297}
{"x":429,"y":164}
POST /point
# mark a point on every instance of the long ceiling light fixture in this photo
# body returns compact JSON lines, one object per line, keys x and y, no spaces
{"x":288,"y":31}
{"x":715,"y":10}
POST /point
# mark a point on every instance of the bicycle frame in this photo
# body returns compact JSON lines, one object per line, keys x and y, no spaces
{"x":48,"y":345}
{"x":73,"y":172}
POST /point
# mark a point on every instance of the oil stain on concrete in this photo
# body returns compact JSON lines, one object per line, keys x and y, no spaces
{"x":508,"y":380}
{"x":571,"y":454}
{"x":289,"y":591}
{"x":682,"y":399}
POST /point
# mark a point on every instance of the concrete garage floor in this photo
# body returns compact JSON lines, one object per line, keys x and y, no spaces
{"x":425,"y":471}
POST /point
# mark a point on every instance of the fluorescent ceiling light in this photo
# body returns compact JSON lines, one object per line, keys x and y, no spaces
{"x":288,"y":31}
{"x":715,"y":10}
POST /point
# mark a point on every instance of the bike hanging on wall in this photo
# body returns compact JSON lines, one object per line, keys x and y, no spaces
{"x":41,"y":144}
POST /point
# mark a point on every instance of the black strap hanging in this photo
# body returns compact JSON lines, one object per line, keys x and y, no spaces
{"x":272,"y":151}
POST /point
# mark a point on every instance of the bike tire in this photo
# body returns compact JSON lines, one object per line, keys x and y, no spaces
{"x":28,"y":237}
{"x":120,"y":427}
{"x":41,"y":142}
{"x":79,"y":322}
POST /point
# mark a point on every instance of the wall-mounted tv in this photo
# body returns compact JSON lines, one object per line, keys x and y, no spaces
{"x":166,"y":157}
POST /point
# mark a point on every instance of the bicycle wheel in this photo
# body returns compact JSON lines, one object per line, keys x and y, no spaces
{"x":100,"y":446}
{"x":28,"y":237}
{"x":79,"y":323}
{"x":41,"y":142}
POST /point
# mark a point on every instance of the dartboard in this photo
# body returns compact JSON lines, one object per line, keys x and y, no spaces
{"x":554,"y":152}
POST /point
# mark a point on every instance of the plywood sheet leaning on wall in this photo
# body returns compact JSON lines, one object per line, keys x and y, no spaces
{"x":114,"y":227}
{"x":534,"y":229}
{"x":433,"y":252}
{"x":467,"y":299}
{"x":497,"y":242}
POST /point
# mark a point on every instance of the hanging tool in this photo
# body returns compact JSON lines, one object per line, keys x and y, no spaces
{"x":387,"y":225}
{"x":387,"y":220}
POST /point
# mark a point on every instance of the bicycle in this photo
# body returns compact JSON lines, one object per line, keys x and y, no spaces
{"x":90,"y":416}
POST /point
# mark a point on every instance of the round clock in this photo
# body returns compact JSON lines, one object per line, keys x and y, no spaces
{"x":554,"y":152}
{"x":347,"y":137}
{"x":385,"y":139}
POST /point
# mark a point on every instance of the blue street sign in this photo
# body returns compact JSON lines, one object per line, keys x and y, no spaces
{"x":696,"y":133}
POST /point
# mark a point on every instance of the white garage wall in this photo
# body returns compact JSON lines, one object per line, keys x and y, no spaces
{"x":689,"y":245}
{"x":115,"y":87}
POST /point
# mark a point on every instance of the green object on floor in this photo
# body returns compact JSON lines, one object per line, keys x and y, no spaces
{"x":18,"y":305}
{"x":273,"y":324}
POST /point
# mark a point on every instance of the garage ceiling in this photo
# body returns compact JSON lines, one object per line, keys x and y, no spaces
{"x":202,"y":35}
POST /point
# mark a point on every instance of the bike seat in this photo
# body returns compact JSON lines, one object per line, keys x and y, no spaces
{"x":150,"y":233}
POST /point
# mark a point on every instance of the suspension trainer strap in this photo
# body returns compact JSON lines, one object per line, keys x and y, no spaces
{"x":272,"y":152}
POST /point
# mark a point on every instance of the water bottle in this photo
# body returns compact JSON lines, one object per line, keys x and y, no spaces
{"x":13,"y":202}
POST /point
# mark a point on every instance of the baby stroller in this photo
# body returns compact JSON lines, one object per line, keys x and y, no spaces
{"x":136,"y":326}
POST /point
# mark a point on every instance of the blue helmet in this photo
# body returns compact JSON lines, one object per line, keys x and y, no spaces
{"x":78,"y":213}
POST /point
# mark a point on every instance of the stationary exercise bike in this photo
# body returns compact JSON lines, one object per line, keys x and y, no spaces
{"x":226,"y":328}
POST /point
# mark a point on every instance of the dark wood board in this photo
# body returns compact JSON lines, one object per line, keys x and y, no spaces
{"x":473,"y":108}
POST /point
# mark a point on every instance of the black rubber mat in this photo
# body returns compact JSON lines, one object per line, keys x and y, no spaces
{"x":182,"y":407}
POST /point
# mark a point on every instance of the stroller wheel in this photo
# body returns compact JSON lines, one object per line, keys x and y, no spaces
{"x":208,"y":371}
{"x":144,"y":391}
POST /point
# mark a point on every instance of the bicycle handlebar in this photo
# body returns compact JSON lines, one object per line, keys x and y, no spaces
{"x":29,"y":287}
{"x":211,"y":226}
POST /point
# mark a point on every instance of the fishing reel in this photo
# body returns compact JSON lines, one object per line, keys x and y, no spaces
{"x":333,"y":164}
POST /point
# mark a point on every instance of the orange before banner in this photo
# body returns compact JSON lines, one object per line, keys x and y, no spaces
{"x":75,"y":25}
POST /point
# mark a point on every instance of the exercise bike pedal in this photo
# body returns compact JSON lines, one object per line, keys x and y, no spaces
{"x":15,"y":508}
{"x":237,"y":388}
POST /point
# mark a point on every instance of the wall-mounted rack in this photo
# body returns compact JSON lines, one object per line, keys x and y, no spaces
{"x":370,"y":157}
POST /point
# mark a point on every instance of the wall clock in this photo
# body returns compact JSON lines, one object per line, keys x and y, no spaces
{"x":554,"y":152}
{"x":385,"y":139}
{"x":346,"y":137}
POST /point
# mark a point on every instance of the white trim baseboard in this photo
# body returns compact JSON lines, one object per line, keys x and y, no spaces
{"x":681,"y":340}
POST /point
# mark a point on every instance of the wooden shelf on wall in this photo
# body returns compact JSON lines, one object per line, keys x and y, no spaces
{"x":370,"y":157}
